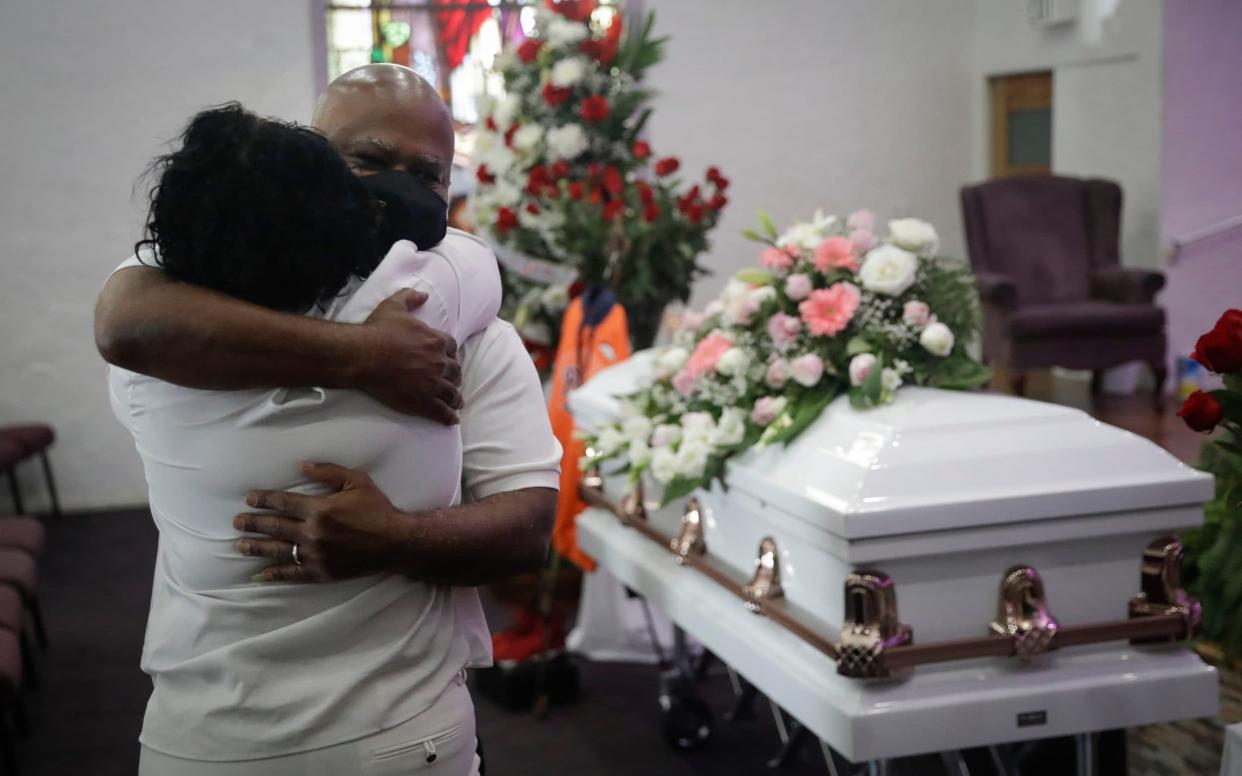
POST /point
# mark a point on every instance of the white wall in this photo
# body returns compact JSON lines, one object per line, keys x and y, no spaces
{"x":90,"y":92}
{"x":1106,"y":102}
{"x":805,"y":103}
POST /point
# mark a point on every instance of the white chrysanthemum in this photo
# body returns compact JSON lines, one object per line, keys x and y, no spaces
{"x":913,"y":234}
{"x":527,"y":138}
{"x":888,"y":270}
{"x":566,"y":142}
{"x":568,"y":71}
{"x":664,"y":464}
{"x":506,"y":110}
{"x":560,"y":31}
{"x":637,"y":428}
{"x":730,"y":429}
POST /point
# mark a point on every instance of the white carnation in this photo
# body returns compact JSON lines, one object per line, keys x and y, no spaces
{"x":913,"y":234}
{"x":664,"y":464}
{"x":566,"y":142}
{"x":562,"y":32}
{"x":638,"y":453}
{"x":568,"y":71}
{"x":609,"y":441}
{"x":692,"y":458}
{"x":507,"y":109}
{"x":665,"y":434}
{"x":937,"y":339}
{"x":696,"y":427}
{"x":637,"y":428}
{"x":733,"y":361}
{"x":730,"y":429}
{"x":888,"y":270}
{"x":527,"y":138}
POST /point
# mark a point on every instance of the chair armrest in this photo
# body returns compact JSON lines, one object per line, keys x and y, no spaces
{"x":996,"y":290}
{"x":1126,"y":285}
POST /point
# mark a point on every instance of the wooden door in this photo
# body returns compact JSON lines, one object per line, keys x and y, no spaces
{"x":1021,"y":124}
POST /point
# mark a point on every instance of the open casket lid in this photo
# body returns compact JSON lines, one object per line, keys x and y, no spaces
{"x":937,"y":460}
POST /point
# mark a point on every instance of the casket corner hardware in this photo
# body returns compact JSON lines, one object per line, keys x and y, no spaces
{"x":1022,"y":614}
{"x":871,"y":626}
{"x":765,"y":584}
{"x":634,"y":505}
{"x":689,"y":540}
{"x":1161,"y":592}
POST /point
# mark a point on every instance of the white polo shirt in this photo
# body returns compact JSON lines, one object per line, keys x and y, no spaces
{"x":244,"y":670}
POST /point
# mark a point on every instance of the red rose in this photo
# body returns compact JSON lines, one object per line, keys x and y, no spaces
{"x":509,"y":133}
{"x":506,"y":219}
{"x":716,"y":179}
{"x":529,"y":50}
{"x":613,"y":209}
{"x":1220,"y":350}
{"x":484,"y":175}
{"x":594,"y":109}
{"x":613,"y":182}
{"x":1201,"y":411}
{"x":604,"y":50}
{"x":533,"y":209}
{"x":574,"y":10}
{"x":651,"y":212}
{"x":575,"y":190}
{"x":556,"y":95}
{"x":596,"y":196}
{"x":641,"y":149}
{"x":695,"y":213}
{"x":537,"y":180}
{"x":667,"y":166}
{"x":491,"y":124}
{"x":560,"y":169}
{"x":645,"y":193}
{"x":718,"y":201}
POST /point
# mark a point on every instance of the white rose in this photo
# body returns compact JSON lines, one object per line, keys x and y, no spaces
{"x":568,"y":71}
{"x":664,"y":464}
{"x":696,"y":427}
{"x":888,"y":270}
{"x":665,"y":434}
{"x":692,"y":458}
{"x":609,"y":441}
{"x":637,"y":428}
{"x":562,"y":32}
{"x":890,"y":379}
{"x":507,"y":109}
{"x":860,"y":368}
{"x":733,"y":361}
{"x":937,"y":339}
{"x":638,"y":453}
{"x":671,"y":360}
{"x":566,"y":142}
{"x":527,"y":137}
{"x":730,"y":429}
{"x":913,"y":234}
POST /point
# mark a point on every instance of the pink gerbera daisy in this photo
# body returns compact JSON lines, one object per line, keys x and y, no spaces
{"x":829,"y":310}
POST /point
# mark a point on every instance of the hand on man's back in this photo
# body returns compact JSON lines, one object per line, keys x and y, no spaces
{"x":408,"y":365}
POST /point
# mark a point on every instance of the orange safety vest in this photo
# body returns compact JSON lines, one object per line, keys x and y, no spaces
{"x":594,"y":336}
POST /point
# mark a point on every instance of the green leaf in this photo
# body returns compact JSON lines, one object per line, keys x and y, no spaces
{"x":751,"y":234}
{"x":1230,"y":402}
{"x":1232,"y":447}
{"x":755,"y":276}
{"x":857,"y":345}
{"x":960,"y":372}
{"x":680,"y":486}
{"x":873,"y":387}
{"x":1233,"y":382}
{"x":769,"y":228}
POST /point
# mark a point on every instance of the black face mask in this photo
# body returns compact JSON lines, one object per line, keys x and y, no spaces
{"x":411,"y":210}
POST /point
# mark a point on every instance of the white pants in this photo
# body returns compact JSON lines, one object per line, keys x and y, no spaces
{"x":443,"y":734}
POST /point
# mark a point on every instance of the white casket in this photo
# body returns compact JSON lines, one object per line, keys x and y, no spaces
{"x":939,"y":497}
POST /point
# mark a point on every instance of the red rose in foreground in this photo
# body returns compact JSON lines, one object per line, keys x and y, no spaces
{"x":1201,"y":411}
{"x":575,"y":190}
{"x":613,"y":209}
{"x":529,"y":50}
{"x":556,"y":95}
{"x":613,"y":182}
{"x":718,"y":201}
{"x":560,"y":169}
{"x":485,"y":175}
{"x":645,"y":193}
{"x":716,"y":179}
{"x":1220,"y":350}
{"x":594,"y":109}
{"x":641,"y":149}
{"x":506,"y":219}
{"x":667,"y":166}
{"x":651,"y":213}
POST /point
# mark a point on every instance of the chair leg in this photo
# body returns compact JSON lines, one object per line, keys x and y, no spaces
{"x":30,"y":667}
{"x":36,"y":616}
{"x":51,"y":482}
{"x":1160,"y":371}
{"x":1018,"y":380}
{"x":8,"y":748}
{"x":16,"y":492}
{"x":1097,"y":382}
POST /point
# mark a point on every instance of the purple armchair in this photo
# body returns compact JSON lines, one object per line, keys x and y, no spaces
{"x":1045,"y":254}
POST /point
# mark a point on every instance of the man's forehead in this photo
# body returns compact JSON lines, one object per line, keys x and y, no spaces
{"x":401,"y":124}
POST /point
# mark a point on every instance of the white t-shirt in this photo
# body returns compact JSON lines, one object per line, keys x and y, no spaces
{"x":244,"y":670}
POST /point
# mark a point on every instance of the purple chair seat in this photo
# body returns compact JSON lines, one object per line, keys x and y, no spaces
{"x":10,"y":659}
{"x":10,"y":609}
{"x":1087,"y":318}
{"x":33,"y":437}
{"x":11,"y":452}
{"x":20,"y":532}
{"x":18,"y":568}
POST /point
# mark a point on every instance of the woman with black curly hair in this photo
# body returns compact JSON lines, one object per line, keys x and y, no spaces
{"x":362,"y":675}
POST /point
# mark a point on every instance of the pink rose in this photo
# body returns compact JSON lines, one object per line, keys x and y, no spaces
{"x":766,"y":409}
{"x":714,"y":307}
{"x":776,"y":260}
{"x":807,"y":369}
{"x":863,"y":240}
{"x":692,"y":320}
{"x":784,"y":330}
{"x":916,"y":313}
{"x":827,"y":311}
{"x":778,"y":373}
{"x":798,"y":286}
{"x":705,"y":355}
{"x":835,"y":253}
{"x":740,"y":309}
{"x":861,"y":219}
{"x":860,"y":368}
{"x":684,"y":382}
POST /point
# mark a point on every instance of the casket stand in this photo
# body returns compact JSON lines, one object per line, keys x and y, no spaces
{"x":949,"y":571}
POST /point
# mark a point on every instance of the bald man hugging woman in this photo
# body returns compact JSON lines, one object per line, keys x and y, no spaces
{"x":298,"y":299}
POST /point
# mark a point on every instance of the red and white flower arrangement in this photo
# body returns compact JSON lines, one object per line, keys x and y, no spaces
{"x":565,"y":176}
{"x":834,"y":310}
